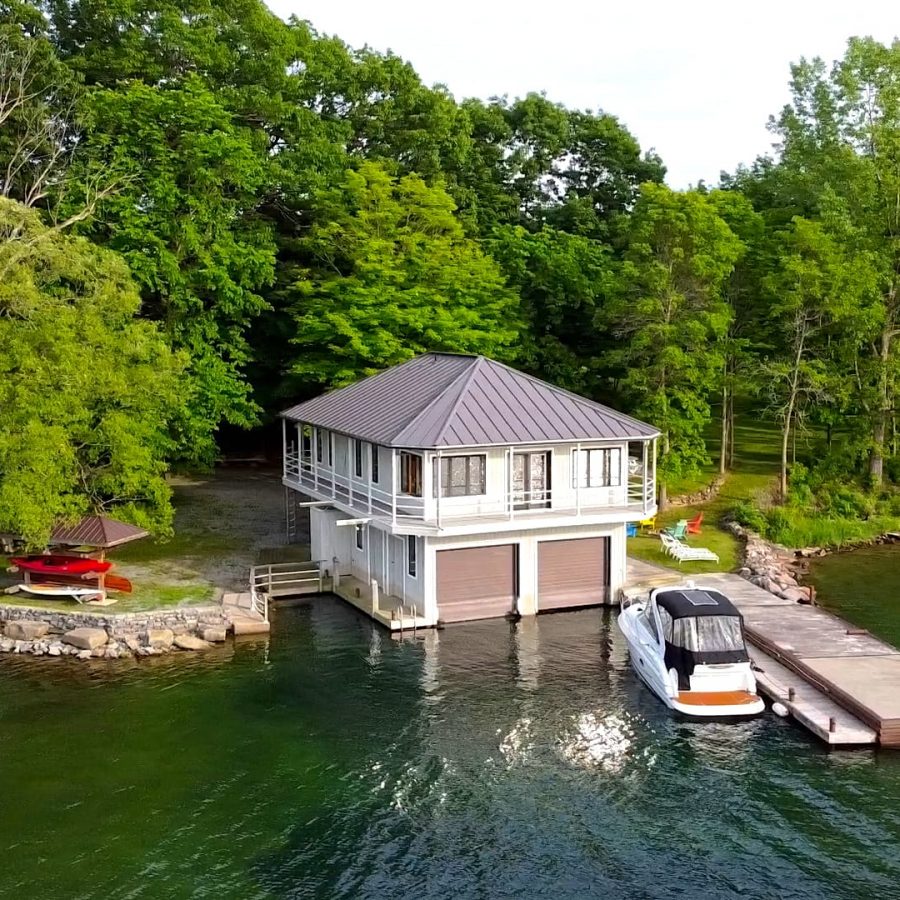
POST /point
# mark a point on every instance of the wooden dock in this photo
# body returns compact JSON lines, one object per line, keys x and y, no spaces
{"x":850,"y":679}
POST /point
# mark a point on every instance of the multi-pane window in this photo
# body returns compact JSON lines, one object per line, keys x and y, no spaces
{"x":320,"y":437}
{"x":331,"y":449}
{"x":358,"y":458}
{"x":411,"y":474}
{"x":374,"y":462}
{"x":597,"y":468}
{"x":306,"y":447}
{"x":461,"y":476}
{"x":411,"y":554}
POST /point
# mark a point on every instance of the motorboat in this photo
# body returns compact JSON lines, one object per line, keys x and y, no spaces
{"x":687,"y":645}
{"x":60,"y":564}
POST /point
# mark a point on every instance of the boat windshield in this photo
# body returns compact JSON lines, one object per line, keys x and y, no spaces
{"x":708,"y":634}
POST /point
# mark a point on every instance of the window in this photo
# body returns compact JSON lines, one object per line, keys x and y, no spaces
{"x":358,"y":461}
{"x":374,"y":462}
{"x":597,"y":468}
{"x":411,"y":474}
{"x":461,"y":476}
{"x":319,"y":441}
{"x":331,"y":449}
{"x":359,"y":537}
{"x":411,"y":554}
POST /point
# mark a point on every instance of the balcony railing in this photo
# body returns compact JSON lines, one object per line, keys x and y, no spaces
{"x":637,"y":498}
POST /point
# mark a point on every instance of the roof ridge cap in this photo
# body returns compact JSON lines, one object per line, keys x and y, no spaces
{"x":470,"y":374}
{"x":583,"y":401}
{"x":462,"y":377}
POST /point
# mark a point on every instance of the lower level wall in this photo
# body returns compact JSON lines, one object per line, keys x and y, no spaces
{"x":528,"y":541}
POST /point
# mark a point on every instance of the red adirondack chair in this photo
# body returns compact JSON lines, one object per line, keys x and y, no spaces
{"x":693,"y":525}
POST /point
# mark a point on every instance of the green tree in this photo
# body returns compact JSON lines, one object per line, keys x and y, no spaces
{"x":389,"y":273}
{"x":88,"y":393}
{"x":672,"y":320}
{"x":840,"y":155}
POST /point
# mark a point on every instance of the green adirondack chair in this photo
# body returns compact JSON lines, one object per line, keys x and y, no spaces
{"x":678,"y":530}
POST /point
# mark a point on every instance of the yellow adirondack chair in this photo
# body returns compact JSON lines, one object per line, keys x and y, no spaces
{"x":647,"y":525}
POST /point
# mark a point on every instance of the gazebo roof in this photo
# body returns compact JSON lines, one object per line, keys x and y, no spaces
{"x":97,"y":531}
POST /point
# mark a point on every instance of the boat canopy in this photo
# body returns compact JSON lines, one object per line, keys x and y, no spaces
{"x":700,"y":627}
{"x":684,"y":603}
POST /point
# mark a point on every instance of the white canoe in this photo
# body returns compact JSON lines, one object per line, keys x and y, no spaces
{"x":59,"y":590}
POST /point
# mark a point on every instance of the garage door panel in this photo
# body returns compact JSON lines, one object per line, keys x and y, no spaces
{"x":475,"y":582}
{"x":572,"y":573}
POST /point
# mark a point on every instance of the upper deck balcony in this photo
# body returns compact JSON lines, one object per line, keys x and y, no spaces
{"x":482,"y":487}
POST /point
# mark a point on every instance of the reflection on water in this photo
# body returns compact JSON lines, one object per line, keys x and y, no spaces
{"x":485,"y":760}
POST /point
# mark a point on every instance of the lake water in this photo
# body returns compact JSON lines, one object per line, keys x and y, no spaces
{"x":863,"y":586}
{"x":487,"y":761}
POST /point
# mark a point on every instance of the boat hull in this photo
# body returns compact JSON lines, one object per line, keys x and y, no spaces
{"x":648,"y":663}
{"x":60,"y":564}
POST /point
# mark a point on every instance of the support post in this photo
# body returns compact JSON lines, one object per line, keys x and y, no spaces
{"x":350,"y":471}
{"x":284,"y":453}
{"x":510,"y":503}
{"x":393,"y":486}
{"x":437,"y":477}
{"x":645,"y":475}
{"x":576,"y":478}
{"x":363,"y":457}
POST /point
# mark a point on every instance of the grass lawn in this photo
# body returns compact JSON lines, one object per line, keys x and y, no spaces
{"x":757,"y":460}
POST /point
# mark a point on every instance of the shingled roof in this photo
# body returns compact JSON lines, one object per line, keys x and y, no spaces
{"x":450,"y":400}
{"x":96,"y":531}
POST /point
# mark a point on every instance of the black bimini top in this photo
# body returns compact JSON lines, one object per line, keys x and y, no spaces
{"x":692,"y":602}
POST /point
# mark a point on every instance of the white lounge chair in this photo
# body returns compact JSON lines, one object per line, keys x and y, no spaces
{"x":682,"y":551}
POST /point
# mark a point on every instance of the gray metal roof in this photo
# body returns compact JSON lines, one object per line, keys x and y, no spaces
{"x":449,"y":400}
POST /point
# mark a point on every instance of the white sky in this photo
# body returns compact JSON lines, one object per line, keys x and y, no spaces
{"x":694,"y":79}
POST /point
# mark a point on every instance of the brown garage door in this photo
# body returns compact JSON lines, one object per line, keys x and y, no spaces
{"x":572,"y":573}
{"x":476,"y":583}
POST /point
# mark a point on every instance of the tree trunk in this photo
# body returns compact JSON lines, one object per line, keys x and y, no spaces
{"x":879,"y":432}
{"x":789,"y":409}
{"x":723,"y":450}
{"x":731,"y":430}
{"x":785,"y":440}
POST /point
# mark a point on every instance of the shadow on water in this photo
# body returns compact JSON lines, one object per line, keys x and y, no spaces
{"x":484,"y":760}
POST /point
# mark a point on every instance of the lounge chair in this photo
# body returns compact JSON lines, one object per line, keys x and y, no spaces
{"x":682,"y":552}
{"x":693,"y":525}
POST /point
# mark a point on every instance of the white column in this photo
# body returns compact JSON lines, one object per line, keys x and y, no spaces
{"x":509,"y":481}
{"x":437,"y":476}
{"x":645,"y":475}
{"x":574,"y":461}
{"x":284,"y":453}
{"x":393,"y":486}
{"x":350,"y":447}
{"x":369,"y":468}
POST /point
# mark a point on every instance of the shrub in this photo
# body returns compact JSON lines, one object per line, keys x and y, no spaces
{"x":746,"y":514}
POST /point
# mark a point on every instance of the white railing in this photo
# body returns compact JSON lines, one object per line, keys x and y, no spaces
{"x":285,"y":579}
{"x":637,"y":497}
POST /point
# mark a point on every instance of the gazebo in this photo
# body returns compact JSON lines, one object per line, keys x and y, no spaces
{"x":96,"y":532}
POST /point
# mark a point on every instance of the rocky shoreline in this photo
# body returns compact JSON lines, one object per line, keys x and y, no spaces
{"x":84,"y":635}
{"x":773,"y":568}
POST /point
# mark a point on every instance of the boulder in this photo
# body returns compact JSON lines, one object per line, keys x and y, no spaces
{"x":84,"y":654}
{"x":213,"y":633}
{"x":191,"y":642}
{"x":6,"y":645}
{"x":86,"y":638}
{"x":160,"y":637}
{"x":55,"y":649}
{"x":133,"y":644}
{"x":26,"y":629}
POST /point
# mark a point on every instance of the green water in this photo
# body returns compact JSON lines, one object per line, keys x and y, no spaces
{"x":489,"y":761}
{"x":864,"y":587}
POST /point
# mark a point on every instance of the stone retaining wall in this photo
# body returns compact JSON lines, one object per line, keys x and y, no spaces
{"x":702,"y":496}
{"x":93,"y":634}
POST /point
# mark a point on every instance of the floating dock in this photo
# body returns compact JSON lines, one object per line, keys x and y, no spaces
{"x":840,"y":682}
{"x":853,"y":669}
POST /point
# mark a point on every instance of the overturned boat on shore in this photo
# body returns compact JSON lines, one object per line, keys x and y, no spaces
{"x":687,"y":645}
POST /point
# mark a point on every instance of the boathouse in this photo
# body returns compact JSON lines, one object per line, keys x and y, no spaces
{"x":461,"y":488}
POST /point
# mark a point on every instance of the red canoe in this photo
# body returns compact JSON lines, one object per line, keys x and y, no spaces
{"x":59,"y":564}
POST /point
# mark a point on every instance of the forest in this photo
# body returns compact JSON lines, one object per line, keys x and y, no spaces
{"x":208,"y":213}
